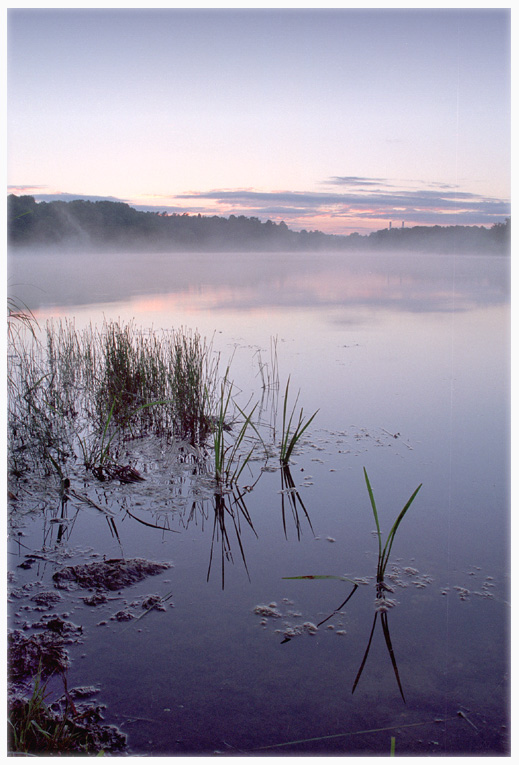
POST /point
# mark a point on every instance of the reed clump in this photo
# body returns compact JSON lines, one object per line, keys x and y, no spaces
{"x":73,"y":391}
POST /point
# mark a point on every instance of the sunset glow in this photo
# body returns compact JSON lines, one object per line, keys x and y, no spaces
{"x":336,"y":120}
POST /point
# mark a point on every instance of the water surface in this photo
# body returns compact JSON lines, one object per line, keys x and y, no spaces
{"x":407,"y":360}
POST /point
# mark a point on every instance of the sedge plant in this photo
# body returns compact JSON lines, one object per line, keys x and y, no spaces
{"x":292,"y":430}
{"x":384,"y":552}
{"x":229,"y":461}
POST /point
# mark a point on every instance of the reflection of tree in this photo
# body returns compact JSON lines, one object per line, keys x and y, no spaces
{"x":293,"y":500}
{"x":228,"y":507}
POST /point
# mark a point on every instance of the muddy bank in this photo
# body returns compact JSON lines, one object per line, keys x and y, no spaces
{"x":38,"y":659}
{"x":73,"y":723}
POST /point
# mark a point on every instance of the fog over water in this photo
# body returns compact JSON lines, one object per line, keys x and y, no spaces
{"x":407,"y":359}
{"x":415,"y":282}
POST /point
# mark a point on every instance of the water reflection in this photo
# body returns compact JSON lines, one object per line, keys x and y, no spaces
{"x":228,"y":508}
{"x":385,"y":629}
{"x":293,"y":500}
{"x":158,"y":283}
{"x":439,"y":380}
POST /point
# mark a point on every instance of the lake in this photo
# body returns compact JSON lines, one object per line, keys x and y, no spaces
{"x":407,"y":360}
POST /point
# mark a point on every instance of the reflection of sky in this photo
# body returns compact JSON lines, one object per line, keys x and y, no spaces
{"x":414,"y":345}
{"x":369,"y":342}
{"x":246,"y":282}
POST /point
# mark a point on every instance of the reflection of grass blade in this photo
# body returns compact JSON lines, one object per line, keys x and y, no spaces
{"x":221,"y":510}
{"x":321,"y":576}
{"x":151,"y":525}
{"x":385,"y":629}
{"x":359,"y":673}
{"x":355,"y":586}
{"x":288,"y":486}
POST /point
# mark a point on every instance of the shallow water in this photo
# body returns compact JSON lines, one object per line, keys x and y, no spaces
{"x":407,"y":360}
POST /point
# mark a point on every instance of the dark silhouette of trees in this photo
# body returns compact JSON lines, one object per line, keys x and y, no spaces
{"x":116,"y":225}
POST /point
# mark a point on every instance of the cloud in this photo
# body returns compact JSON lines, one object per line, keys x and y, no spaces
{"x":432,"y":205}
{"x":66,"y":197}
{"x":353,"y":180}
{"x":23,"y":188}
{"x":348,"y":203}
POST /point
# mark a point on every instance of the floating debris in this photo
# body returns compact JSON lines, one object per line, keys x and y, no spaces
{"x":107,"y":575}
{"x":270,"y":611}
{"x":94,"y":600}
{"x":154,"y":602}
{"x":384,"y":604}
{"x":292,"y":631}
{"x":47,"y":599}
{"x":42,"y":652}
{"x":123,"y":616}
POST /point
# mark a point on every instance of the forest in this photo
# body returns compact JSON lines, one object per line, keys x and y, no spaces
{"x":116,"y":225}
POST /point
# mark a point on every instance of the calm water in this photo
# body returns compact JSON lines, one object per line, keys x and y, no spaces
{"x":415,"y":347}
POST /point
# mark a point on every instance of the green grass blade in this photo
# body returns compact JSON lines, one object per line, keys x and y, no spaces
{"x":389,"y":542}
{"x":374,"y":508}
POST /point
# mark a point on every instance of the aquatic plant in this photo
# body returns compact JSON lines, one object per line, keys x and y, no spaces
{"x":384,"y":552}
{"x":18,"y":313}
{"x":269,"y":372}
{"x":34,"y":729}
{"x":291,"y":433}
{"x":229,"y":458}
{"x":192,"y":375}
{"x":382,"y":603}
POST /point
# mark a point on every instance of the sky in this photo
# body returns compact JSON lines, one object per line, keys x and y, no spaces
{"x":340,"y":120}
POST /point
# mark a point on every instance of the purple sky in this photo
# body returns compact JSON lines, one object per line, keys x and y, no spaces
{"x":338,"y":120}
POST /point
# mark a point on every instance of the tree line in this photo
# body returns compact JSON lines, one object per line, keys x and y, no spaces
{"x":117,"y":225}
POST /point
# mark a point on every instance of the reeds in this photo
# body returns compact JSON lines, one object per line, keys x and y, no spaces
{"x":79,"y":390}
{"x":230,"y":456}
{"x":292,"y":431}
{"x":79,"y":394}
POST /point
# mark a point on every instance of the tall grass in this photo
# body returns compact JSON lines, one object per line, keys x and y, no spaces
{"x":74,"y":392}
{"x":292,"y":430}
{"x":79,"y":394}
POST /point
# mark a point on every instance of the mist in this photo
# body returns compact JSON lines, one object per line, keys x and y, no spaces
{"x":242,"y":281}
